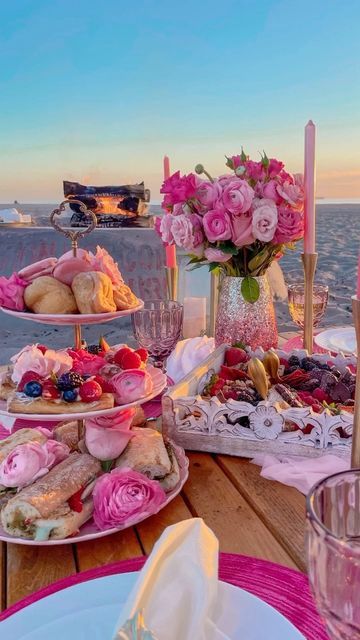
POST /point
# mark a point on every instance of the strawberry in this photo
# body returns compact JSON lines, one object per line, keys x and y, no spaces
{"x":230,"y":394}
{"x":50,"y":390}
{"x":42,"y":348}
{"x":320,"y":395}
{"x":143,"y":354}
{"x":74,"y":501}
{"x":317,"y":408}
{"x":216,"y":387}
{"x":29,"y":376}
{"x":228,"y":373}
{"x":130,"y":360}
{"x":90,"y":391}
{"x":106,"y":386}
{"x":119,"y":354}
{"x":234,"y":356}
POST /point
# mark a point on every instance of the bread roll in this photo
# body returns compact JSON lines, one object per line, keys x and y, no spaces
{"x":48,"y":295}
{"x":124,"y":298}
{"x":93,"y":292}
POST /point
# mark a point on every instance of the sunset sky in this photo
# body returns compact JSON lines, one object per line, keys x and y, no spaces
{"x":98,"y":92}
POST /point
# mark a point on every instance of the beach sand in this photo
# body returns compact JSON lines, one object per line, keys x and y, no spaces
{"x":338,"y":233}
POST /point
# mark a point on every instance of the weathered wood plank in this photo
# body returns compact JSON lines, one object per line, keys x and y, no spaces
{"x":119,"y":546}
{"x":151,"y":529}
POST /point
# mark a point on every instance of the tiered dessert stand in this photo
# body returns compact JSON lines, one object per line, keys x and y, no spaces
{"x":88,"y":530}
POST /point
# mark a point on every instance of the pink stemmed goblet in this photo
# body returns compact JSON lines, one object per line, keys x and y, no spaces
{"x":158,"y":327}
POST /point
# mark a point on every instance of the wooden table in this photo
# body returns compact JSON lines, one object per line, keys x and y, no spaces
{"x":248,"y":514}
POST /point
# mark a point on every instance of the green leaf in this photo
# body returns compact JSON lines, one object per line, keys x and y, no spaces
{"x":213,"y":266}
{"x":239,"y":345}
{"x":228,"y":247}
{"x":258,"y":260}
{"x":243,"y":155}
{"x":194,"y":266}
{"x":229,"y":163}
{"x":265,"y":160}
{"x":106,"y":465}
{"x":195,"y":259}
{"x":250,"y":289}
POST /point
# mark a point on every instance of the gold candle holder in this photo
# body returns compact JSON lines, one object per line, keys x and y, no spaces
{"x":309,"y":262}
{"x":214,"y":297}
{"x":355,"y":447}
{"x":172,"y":281}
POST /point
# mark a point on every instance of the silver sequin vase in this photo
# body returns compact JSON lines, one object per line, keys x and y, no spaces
{"x":237,"y":320}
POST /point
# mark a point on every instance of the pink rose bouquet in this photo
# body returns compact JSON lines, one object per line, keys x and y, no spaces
{"x":107,"y":436}
{"x":28,"y":462}
{"x":123,"y":495}
{"x":239,"y":222}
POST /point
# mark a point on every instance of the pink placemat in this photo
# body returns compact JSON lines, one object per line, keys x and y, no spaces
{"x":284,"y":589}
{"x":297,"y":343}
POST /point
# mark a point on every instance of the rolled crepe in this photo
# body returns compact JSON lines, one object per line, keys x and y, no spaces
{"x":41,"y":510}
{"x":22,"y":436}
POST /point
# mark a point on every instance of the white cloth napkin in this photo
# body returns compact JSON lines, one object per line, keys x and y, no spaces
{"x":177,"y":587}
{"x":301,"y":473}
{"x":187,"y":355}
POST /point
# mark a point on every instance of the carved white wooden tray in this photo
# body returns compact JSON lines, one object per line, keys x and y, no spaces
{"x":209,"y":425}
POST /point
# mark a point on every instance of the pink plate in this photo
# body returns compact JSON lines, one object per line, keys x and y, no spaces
{"x":159,"y":383}
{"x":72,"y":318}
{"x":89,"y":530}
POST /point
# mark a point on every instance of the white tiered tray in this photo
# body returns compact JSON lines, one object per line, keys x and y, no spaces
{"x":66,"y":319}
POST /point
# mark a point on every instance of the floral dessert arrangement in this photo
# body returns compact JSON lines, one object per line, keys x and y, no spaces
{"x":238,"y":222}
{"x":88,"y":283}
{"x":40,"y":380}
{"x":48,"y":491}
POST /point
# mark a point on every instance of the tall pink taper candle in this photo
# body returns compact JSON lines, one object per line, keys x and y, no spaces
{"x":309,"y":188}
{"x":358,"y":280}
{"x":170,"y":249}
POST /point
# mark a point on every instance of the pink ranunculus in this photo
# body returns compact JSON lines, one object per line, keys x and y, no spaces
{"x":268,"y":190}
{"x":208,"y":193}
{"x":28,"y":462}
{"x":12,"y":292}
{"x":179,"y":188}
{"x":187,"y":231}
{"x":106,"y":437}
{"x":212,"y":254}
{"x":264,"y":219}
{"x":242,"y":230}
{"x":217,"y":225}
{"x":237,"y":196}
{"x":274,"y":168}
{"x":44,"y":364}
{"x":291,"y":193}
{"x":131,"y":385}
{"x":103,"y":261}
{"x":123,"y":495}
{"x":86,"y":363}
{"x":165,"y":228}
{"x":290,"y":225}
{"x":255,"y":170}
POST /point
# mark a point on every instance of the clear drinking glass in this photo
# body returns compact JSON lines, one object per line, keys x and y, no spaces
{"x":333,"y":548}
{"x":158,"y":327}
{"x":296,"y":301}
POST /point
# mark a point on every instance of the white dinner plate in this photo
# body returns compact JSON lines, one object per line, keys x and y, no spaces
{"x":338,"y":339}
{"x":159,"y":383}
{"x":89,"y":530}
{"x":91,"y":609}
{"x":72,"y":318}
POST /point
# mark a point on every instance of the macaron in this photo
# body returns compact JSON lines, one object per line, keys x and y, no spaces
{"x":38,"y":269}
{"x":66,"y":269}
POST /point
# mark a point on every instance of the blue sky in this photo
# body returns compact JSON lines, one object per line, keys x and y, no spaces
{"x":99,"y":92}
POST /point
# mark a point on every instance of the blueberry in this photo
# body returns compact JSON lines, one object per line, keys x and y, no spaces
{"x":70,"y":395}
{"x":33,"y":389}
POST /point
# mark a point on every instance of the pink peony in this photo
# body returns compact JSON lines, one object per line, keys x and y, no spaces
{"x":217,"y":224}
{"x":102,"y":261}
{"x":275,"y":167}
{"x":264,"y":219}
{"x":179,"y":188}
{"x":291,"y":193}
{"x":187,"y":231}
{"x":123,"y":496}
{"x":255,"y":170}
{"x":131,"y":385}
{"x":165,"y":228}
{"x":290,"y":225}
{"x":237,"y":196}
{"x":208,"y":193}
{"x":107,"y":436}
{"x":28,"y":462}
{"x":44,"y":364}
{"x":242,"y":230}
{"x":268,"y":190}
{"x":86,"y":363}
{"x":12,"y":292}
{"x":216,"y":255}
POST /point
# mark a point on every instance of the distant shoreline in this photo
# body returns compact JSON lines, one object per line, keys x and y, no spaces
{"x":319,"y":200}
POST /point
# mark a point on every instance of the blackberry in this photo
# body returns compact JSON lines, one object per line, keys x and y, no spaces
{"x":289,"y":370}
{"x":308,"y":365}
{"x":69,"y":380}
{"x":324,"y":366}
{"x":293,"y":362}
{"x":94,"y":349}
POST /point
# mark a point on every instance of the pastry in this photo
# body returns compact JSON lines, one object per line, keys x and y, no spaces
{"x":124,"y":298}
{"x":7,"y":386}
{"x":48,"y":295}
{"x":93,"y":292}
{"x":22,"y":436}
{"x":66,"y":269}
{"x":37,"y":269}
{"x":22,"y":403}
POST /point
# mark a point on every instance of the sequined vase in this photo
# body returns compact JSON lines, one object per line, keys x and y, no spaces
{"x":237,"y":320}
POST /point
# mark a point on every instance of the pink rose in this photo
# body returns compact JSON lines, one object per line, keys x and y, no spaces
{"x":106,"y":437}
{"x":179,"y":188}
{"x":131,"y":385}
{"x":290,"y":225}
{"x":237,"y":161}
{"x":208,"y":193}
{"x":242,"y":230}
{"x":165,"y":228}
{"x":181,"y":208}
{"x":12,"y":292}
{"x":237,"y":196}
{"x":102,"y":261}
{"x":217,"y":224}
{"x":268,"y":190}
{"x":123,"y":495}
{"x":86,"y":363}
{"x":216,"y":255}
{"x":28,"y":462}
{"x":32,"y":359}
{"x":264,"y":219}
{"x":291,"y":193}
{"x":274,"y":168}
{"x":255,"y":170}
{"x":187,"y":231}
{"x":225,"y":179}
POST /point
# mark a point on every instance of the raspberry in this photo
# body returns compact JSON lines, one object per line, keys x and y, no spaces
{"x":130,"y":360}
{"x":119,"y":354}
{"x":320,"y":395}
{"x":50,"y":391}
{"x":42,"y":348}
{"x":106,"y":386}
{"x":29,"y":376}
{"x":90,"y":391}
{"x":69,"y":380}
{"x":231,"y":394}
{"x":143,"y":354}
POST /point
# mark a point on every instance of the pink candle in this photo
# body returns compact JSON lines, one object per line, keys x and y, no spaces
{"x":309,"y":188}
{"x":358,"y":280}
{"x":170,"y":249}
